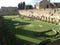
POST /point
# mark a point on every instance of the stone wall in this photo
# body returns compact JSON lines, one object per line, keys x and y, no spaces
{"x":8,"y":11}
{"x":43,"y":14}
{"x":1,"y":22}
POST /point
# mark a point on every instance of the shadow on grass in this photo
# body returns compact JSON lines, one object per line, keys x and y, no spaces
{"x":15,"y":22}
{"x":20,"y":31}
{"x":15,"y":41}
{"x":10,"y":32}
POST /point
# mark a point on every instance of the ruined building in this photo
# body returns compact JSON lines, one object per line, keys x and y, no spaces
{"x":46,"y":4}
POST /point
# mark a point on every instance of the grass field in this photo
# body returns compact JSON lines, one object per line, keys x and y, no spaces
{"x":25,"y":29}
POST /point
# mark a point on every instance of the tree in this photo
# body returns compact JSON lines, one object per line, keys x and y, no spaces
{"x":28,"y":7}
{"x":21,"y":5}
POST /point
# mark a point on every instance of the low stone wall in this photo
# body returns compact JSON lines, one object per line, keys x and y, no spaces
{"x":3,"y":40}
{"x":1,"y":22}
{"x":50,"y":15}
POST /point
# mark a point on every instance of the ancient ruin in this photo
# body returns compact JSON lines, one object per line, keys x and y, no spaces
{"x":46,"y":4}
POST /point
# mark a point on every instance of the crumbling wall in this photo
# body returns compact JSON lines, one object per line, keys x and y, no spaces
{"x":52,"y":15}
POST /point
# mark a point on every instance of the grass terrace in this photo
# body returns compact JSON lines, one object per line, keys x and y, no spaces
{"x":26,"y":29}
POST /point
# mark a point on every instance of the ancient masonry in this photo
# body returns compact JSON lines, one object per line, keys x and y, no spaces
{"x":46,"y":4}
{"x":44,"y":10}
{"x":51,"y":15}
{"x":8,"y":11}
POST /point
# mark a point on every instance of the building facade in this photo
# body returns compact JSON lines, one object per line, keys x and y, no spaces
{"x":46,"y":4}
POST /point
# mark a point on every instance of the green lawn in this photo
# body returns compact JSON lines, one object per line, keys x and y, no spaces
{"x":26,"y":28}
